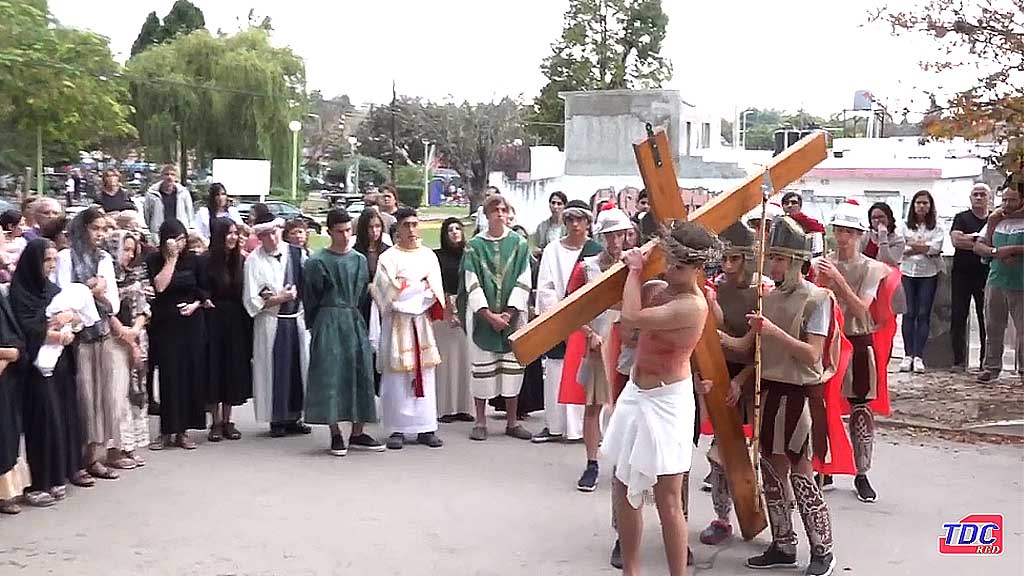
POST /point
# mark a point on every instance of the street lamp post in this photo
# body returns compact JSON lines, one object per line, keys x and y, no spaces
{"x":295,"y":126}
{"x":743,"y":128}
{"x":353,"y":143}
{"x":426,"y":172}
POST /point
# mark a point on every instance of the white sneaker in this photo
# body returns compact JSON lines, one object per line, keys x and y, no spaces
{"x":918,"y":366}
{"x":906,"y":364}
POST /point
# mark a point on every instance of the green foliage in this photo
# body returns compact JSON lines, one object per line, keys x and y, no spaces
{"x":371,"y":171}
{"x":62,"y":80}
{"x":468,"y":136}
{"x":605,"y":45}
{"x":183,"y":19}
{"x":152,"y":33}
{"x":762,"y":124}
{"x":985,"y":38}
{"x":221,"y":97}
{"x":409,"y":176}
{"x":326,"y":133}
{"x":410,"y":195}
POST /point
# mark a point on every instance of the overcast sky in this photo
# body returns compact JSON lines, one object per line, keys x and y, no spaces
{"x":784,"y":54}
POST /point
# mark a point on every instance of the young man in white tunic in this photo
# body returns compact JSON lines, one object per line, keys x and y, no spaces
{"x":408,"y":291}
{"x":648,"y":439}
{"x":562,"y":421}
{"x":272,"y":295}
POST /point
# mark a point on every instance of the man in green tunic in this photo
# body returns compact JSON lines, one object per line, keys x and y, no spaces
{"x":493,"y":300}
{"x":340,"y":383}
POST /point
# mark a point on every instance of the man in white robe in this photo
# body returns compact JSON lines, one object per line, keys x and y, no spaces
{"x":562,"y":421}
{"x":407,"y":290}
{"x":272,"y":295}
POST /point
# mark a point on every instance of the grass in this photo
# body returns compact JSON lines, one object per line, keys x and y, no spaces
{"x":430,"y":233}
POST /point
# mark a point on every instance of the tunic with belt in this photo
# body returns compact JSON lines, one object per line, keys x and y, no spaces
{"x":863,"y":276}
{"x":340,"y":380}
{"x":280,"y":341}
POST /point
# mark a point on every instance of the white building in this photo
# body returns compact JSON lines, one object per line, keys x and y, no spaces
{"x":892,"y":170}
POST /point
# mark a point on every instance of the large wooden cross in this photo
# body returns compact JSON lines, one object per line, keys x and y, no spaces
{"x":654,"y":159}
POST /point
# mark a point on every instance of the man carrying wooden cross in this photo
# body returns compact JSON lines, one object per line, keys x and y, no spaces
{"x":649,"y":436}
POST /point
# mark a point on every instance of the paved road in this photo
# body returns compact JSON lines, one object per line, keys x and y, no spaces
{"x":266,"y":506}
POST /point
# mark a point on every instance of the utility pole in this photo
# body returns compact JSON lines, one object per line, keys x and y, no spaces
{"x":394,"y":104}
{"x":39,"y":162}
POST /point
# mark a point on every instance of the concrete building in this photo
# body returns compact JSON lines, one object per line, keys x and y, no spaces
{"x":600,"y":128}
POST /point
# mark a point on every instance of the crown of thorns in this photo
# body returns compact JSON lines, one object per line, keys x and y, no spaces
{"x":672,"y":238}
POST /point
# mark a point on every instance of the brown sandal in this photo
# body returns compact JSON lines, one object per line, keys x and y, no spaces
{"x":139,"y":461}
{"x":183,"y":441}
{"x":123,"y":463}
{"x":97,"y":470}
{"x":9,"y":507}
{"x":82,"y":479}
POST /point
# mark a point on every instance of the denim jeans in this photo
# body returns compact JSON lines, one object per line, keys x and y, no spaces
{"x":917,"y":319}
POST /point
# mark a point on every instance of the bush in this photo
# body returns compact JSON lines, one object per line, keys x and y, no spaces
{"x":409,"y":195}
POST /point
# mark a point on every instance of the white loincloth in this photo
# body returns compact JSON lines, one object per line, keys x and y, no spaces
{"x":650,"y":435}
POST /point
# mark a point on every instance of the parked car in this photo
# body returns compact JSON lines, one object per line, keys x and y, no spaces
{"x":282,"y":210}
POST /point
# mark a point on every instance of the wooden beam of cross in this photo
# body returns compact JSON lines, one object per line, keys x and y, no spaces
{"x":659,"y":176}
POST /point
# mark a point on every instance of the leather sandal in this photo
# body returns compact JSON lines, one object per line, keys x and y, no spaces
{"x":216,"y":433}
{"x":97,"y":470}
{"x":9,"y":507}
{"x":231,"y":432}
{"x":123,"y":463}
{"x":183,"y":441}
{"x":82,"y":479}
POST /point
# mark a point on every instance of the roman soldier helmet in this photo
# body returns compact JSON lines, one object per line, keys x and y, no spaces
{"x":788,"y":238}
{"x":738,"y":239}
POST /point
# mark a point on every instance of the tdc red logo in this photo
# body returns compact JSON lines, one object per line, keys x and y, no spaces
{"x":977,"y":534}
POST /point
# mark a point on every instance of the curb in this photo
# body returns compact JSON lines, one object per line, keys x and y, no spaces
{"x":956,"y":434}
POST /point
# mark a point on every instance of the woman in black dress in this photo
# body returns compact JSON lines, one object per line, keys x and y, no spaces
{"x":179,"y":335}
{"x":13,"y":474}
{"x":229,"y":328}
{"x":44,"y":411}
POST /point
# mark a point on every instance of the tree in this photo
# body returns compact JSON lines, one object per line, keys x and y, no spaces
{"x":371,"y":171}
{"x":986,"y":36}
{"x":468,"y":136}
{"x":56,"y":82}
{"x":219,"y":96}
{"x":152,"y":33}
{"x":325,"y":130}
{"x":183,"y":19}
{"x":605,"y":45}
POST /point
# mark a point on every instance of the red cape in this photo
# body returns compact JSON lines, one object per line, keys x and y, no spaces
{"x":570,"y":391}
{"x":840,"y":451}
{"x":885,"y":331}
